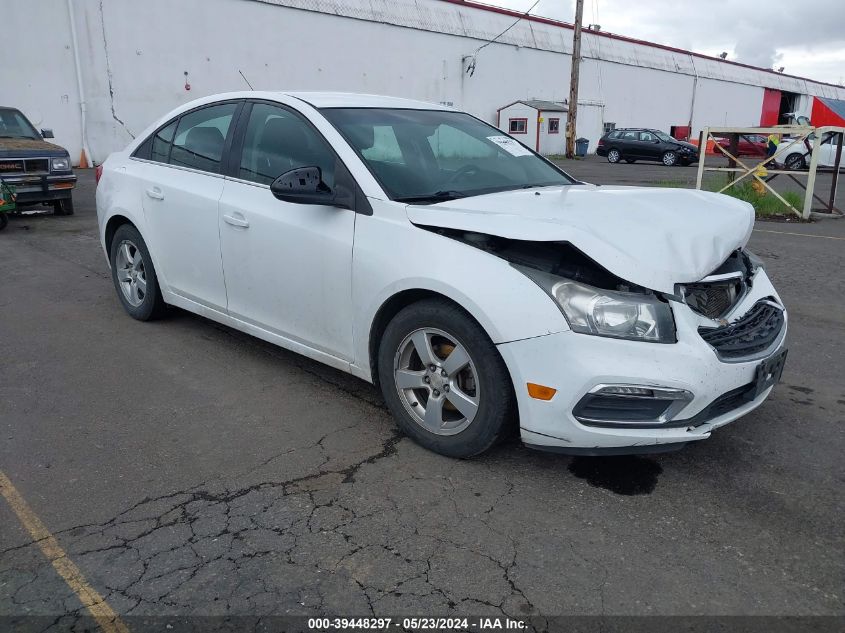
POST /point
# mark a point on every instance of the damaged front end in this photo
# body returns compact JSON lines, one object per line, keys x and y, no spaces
{"x":592,"y":299}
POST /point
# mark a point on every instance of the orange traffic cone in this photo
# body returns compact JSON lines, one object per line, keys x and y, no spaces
{"x":83,"y":160}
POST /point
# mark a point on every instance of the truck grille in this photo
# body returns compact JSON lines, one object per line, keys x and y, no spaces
{"x":753,"y":333}
{"x":713,"y":299}
{"x":24,"y":165}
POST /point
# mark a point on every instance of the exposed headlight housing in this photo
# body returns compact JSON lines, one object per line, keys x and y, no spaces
{"x":588,"y":310}
{"x":60,"y":164}
{"x":754,"y":261}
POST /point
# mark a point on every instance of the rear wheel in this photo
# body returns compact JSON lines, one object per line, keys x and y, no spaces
{"x":63,"y":206}
{"x":795,"y":161}
{"x":134,"y":276}
{"x":613,"y":156}
{"x":670,"y":158}
{"x":443,"y":379}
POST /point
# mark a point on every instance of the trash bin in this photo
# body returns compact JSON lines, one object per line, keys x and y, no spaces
{"x":581,"y":145}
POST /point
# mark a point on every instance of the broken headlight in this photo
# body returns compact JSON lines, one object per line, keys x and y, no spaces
{"x":629,"y":315}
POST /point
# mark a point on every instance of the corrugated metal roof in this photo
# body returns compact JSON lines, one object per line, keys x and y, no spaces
{"x":548,"y":106}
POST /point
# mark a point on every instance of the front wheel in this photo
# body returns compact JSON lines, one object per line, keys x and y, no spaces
{"x":613,"y":156}
{"x":63,"y":206}
{"x":670,"y":158}
{"x":134,"y":276}
{"x":443,"y":379}
{"x":795,"y":161}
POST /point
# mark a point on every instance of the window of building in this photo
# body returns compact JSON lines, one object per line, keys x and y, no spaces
{"x":277,"y":140}
{"x":609,"y":127}
{"x":518,"y":126}
{"x":554,"y":126}
{"x":200,"y":137}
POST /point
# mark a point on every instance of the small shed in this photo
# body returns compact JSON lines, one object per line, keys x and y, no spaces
{"x":536,"y":123}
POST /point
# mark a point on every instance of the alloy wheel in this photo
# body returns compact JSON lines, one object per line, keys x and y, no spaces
{"x":437,"y":381}
{"x":613,"y":156}
{"x":131,"y":276}
{"x":670,"y":158}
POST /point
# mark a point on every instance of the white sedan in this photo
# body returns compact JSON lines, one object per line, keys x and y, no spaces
{"x":419,"y":248}
{"x":795,"y":154}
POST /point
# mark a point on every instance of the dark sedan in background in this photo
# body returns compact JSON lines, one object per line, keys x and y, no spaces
{"x":37,"y":171}
{"x":633,"y":144}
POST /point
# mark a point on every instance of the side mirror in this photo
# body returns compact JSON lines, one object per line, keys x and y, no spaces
{"x":304,"y":185}
{"x":47,"y":133}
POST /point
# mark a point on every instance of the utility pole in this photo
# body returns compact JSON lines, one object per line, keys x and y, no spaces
{"x":572,"y":115}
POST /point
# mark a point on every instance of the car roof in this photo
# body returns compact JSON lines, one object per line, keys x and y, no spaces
{"x":327,"y":99}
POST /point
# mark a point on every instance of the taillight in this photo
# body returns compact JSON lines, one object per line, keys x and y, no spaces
{"x":98,"y":173}
{"x":601,"y":142}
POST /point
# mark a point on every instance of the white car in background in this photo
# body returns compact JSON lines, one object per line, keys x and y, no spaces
{"x":795,"y":154}
{"x":479,"y":285}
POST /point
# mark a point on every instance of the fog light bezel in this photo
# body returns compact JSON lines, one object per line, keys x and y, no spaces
{"x":676,"y":400}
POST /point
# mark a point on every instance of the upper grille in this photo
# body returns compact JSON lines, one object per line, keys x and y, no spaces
{"x":753,"y":333}
{"x":24,"y":165}
{"x":713,"y":299}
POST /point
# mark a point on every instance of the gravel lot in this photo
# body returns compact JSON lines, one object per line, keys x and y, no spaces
{"x":188,"y":469}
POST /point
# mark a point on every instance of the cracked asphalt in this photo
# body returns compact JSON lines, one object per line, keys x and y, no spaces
{"x":188,"y":469}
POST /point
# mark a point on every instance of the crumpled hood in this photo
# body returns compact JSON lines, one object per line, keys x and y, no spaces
{"x":27,"y":147}
{"x":652,"y":237}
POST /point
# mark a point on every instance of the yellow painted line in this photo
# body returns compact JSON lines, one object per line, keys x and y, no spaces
{"x":105,"y":616}
{"x":824,"y":237}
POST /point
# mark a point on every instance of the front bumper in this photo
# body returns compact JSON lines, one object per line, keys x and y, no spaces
{"x":36,"y":188}
{"x":576,"y":363}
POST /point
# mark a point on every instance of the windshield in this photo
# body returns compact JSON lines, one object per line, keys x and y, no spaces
{"x":13,"y":124}
{"x":430,"y":155}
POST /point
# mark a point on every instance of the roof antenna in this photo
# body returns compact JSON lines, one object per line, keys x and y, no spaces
{"x":246,"y":80}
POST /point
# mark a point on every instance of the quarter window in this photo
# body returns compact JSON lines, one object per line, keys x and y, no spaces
{"x":277,"y":140}
{"x":200,"y":137}
{"x":161,"y":143}
{"x":518,"y":126}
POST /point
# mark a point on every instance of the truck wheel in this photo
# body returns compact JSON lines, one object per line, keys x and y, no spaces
{"x":64,"y":206}
{"x":443,"y":379}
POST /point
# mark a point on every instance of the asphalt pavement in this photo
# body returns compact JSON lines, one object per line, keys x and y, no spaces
{"x":188,"y":469}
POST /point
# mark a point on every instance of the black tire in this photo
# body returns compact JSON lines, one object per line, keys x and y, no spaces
{"x":496,"y":408}
{"x":63,"y":206}
{"x":670,"y":158}
{"x":152,"y":304}
{"x":4,"y":220}
{"x":795,"y":161}
{"x":630,"y":161}
{"x":613,"y":155}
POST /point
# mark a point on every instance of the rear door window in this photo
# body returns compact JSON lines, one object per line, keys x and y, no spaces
{"x":201,"y":136}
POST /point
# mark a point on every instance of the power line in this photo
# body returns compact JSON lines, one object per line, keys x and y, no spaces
{"x":471,"y":66}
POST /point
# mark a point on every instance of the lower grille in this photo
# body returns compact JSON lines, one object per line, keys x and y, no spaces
{"x":753,"y":333}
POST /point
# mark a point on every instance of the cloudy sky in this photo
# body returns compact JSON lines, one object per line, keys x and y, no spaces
{"x":807,"y":37}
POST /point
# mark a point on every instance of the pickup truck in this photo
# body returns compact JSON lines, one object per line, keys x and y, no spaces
{"x":38,"y":171}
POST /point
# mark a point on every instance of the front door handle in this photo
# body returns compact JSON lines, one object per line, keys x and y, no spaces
{"x":155,"y":193}
{"x":236,"y":221}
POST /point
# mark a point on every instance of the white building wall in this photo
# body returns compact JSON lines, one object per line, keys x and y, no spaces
{"x":134,"y":55}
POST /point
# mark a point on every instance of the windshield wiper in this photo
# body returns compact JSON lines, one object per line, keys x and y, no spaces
{"x":437,"y":196}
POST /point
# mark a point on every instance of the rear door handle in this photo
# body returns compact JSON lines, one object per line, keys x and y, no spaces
{"x":238,"y":220}
{"x":155,"y":193}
